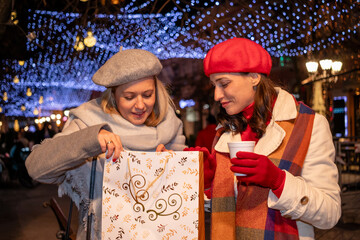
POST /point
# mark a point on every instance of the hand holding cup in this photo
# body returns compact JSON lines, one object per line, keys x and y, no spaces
{"x":244,"y":146}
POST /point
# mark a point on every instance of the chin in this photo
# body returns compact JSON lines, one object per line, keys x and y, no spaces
{"x":229,"y":112}
{"x":138,"y":121}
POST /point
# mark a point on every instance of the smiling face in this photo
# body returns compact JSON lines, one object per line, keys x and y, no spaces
{"x":135,"y":100}
{"x":234,"y":91}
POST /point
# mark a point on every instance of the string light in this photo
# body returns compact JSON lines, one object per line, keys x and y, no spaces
{"x":16,"y":79}
{"x":28,"y":92}
{"x":60,"y":75}
{"x":16,"y":125}
{"x":36,"y":112}
{"x":5,"y":96}
{"x":79,"y":44}
{"x":90,"y":40}
{"x":13,"y":18}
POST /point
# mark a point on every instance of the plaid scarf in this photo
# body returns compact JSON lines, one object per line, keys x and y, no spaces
{"x":249,"y":217}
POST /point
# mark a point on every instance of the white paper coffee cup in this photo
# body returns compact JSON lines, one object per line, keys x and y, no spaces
{"x":244,"y":146}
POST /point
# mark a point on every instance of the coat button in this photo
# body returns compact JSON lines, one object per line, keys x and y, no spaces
{"x":304,"y":200}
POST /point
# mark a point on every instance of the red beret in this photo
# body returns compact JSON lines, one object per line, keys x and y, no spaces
{"x":237,"y":55}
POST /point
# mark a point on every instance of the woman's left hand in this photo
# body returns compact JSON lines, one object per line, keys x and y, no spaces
{"x":258,"y":169}
{"x":161,"y":148}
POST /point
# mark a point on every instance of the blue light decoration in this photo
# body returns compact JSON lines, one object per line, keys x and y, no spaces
{"x":184,"y":103}
{"x":61,"y":76}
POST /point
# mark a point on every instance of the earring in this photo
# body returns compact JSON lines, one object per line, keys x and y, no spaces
{"x":255,"y":87}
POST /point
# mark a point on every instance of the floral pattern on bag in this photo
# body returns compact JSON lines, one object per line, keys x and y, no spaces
{"x":151,"y":195}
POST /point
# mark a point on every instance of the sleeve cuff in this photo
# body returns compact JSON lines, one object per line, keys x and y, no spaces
{"x":290,"y":201}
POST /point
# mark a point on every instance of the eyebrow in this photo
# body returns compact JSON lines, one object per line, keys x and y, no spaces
{"x":130,"y":92}
{"x":219,"y":79}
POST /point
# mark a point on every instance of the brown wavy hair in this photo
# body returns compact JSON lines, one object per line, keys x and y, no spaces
{"x":265,"y":96}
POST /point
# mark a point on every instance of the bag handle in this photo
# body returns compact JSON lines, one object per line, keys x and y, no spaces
{"x":67,"y":232}
{"x":150,"y":184}
{"x":91,"y":197}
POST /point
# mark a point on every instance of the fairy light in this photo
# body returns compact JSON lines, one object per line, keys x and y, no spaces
{"x":16,"y":125}
{"x":28,"y":92}
{"x":13,"y":18}
{"x":79,"y":44}
{"x":5,"y":96}
{"x":273,"y":25}
{"x":36,"y":111}
{"x":16,"y":79}
{"x":90,"y":40}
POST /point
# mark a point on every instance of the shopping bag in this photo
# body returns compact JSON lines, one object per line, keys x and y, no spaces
{"x":153,"y":195}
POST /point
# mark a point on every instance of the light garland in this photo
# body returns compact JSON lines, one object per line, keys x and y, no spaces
{"x":59,"y":77}
{"x":278,"y":26}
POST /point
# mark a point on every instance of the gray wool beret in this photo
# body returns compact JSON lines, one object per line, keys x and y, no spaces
{"x":126,"y":66}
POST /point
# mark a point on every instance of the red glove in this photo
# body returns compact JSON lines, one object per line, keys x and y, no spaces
{"x":258,"y":169}
{"x":209,"y":165}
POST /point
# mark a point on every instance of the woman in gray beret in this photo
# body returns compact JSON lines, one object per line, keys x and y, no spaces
{"x":134,"y":113}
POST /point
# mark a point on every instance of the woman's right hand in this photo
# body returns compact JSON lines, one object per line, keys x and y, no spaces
{"x":110,"y":142}
{"x":209,"y":165}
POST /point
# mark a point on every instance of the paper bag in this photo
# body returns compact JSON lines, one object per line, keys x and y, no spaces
{"x":149,"y":195}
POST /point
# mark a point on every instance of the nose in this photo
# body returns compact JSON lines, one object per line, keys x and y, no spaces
{"x":140,"y":105}
{"x":218,"y":94}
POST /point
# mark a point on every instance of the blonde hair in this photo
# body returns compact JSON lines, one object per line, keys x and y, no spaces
{"x":162,"y":101}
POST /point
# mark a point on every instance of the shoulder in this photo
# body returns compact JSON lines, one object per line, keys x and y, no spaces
{"x":170,"y":115}
{"x":92,"y":106}
{"x":321,"y":123}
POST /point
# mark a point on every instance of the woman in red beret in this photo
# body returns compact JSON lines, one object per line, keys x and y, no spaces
{"x":289,"y":184}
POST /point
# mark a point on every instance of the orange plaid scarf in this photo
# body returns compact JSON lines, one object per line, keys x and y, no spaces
{"x":249,"y":217}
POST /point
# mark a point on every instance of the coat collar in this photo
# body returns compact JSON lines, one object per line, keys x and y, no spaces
{"x":284,"y":109}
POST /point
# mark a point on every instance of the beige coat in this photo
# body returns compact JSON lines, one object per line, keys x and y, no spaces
{"x":65,"y":159}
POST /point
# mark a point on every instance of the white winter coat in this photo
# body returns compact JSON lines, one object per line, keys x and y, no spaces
{"x":313,"y":198}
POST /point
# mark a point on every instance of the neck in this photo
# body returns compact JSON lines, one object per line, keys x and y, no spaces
{"x":248,"y":111}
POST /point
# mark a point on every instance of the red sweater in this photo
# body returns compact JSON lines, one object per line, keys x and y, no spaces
{"x":206,"y":136}
{"x":249,"y":135}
